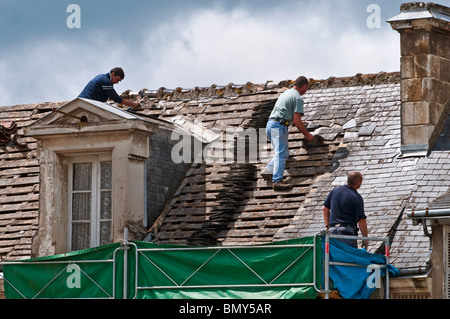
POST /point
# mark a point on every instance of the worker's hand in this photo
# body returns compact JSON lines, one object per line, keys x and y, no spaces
{"x":365,"y":244}
{"x":136,"y":104}
{"x":310,"y":137}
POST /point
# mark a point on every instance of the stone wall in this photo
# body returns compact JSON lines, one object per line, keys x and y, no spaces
{"x":2,"y":289}
{"x":425,"y":65}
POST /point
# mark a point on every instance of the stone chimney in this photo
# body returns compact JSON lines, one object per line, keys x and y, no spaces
{"x":425,"y":74}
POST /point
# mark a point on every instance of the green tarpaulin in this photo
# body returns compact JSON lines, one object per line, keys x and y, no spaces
{"x":279,"y":270}
{"x":72,"y":275}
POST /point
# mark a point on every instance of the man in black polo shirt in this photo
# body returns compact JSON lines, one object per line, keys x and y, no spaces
{"x":101,"y":88}
{"x":343,"y":210}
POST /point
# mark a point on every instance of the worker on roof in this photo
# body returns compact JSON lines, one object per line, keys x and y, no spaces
{"x":343,"y":210}
{"x":101,"y":88}
{"x":287,"y":110}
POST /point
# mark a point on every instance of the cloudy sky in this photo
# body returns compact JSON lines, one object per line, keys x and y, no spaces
{"x":44,"y":56}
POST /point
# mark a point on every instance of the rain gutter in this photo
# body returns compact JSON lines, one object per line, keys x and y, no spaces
{"x":429,"y":213}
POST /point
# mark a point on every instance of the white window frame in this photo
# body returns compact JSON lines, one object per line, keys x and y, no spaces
{"x":95,"y":200}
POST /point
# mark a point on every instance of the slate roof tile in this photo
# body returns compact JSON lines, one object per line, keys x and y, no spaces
{"x":19,"y":183}
{"x":359,"y":117}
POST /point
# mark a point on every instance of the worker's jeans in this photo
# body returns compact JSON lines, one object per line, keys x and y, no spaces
{"x":340,"y":230}
{"x":278,"y":135}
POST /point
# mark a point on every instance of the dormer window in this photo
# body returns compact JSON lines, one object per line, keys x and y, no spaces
{"x":102,"y":170}
{"x":90,"y":201}
{"x":92,"y":159}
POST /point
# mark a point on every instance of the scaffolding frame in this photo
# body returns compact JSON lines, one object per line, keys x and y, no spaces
{"x":109,"y":295}
{"x":327,"y":263}
{"x":231,"y":249}
{"x":145,"y":253}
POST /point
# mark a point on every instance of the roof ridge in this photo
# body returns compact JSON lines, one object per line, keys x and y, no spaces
{"x":236,"y":90}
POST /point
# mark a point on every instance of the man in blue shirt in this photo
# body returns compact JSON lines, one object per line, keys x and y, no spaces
{"x":343,"y":210}
{"x":287,"y":110}
{"x":101,"y":88}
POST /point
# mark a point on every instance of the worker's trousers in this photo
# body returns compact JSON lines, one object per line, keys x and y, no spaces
{"x":342,"y":230}
{"x":278,"y":135}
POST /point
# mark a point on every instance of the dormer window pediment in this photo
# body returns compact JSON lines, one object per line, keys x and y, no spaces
{"x":84,"y":115}
{"x":95,"y":112}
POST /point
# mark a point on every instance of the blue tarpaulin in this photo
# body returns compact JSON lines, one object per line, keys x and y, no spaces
{"x":354,"y":282}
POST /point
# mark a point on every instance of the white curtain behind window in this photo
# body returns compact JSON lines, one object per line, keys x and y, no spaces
{"x":91,"y":203}
{"x":81,"y":205}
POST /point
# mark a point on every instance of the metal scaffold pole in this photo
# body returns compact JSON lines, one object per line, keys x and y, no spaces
{"x":386,"y":254}
{"x":327,"y":265}
{"x":125,"y":248}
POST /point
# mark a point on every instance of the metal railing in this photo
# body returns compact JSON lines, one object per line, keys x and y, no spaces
{"x":215,"y":250}
{"x":108,"y":293}
{"x":131,"y":250}
{"x":327,"y":263}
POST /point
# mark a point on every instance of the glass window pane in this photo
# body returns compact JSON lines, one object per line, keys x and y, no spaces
{"x":86,"y":214}
{"x":105,"y":174}
{"x":105,"y":233}
{"x":82,"y":176}
{"x":81,"y":235}
{"x":81,"y":206}
{"x":105,"y":205}
{"x":105,"y":202}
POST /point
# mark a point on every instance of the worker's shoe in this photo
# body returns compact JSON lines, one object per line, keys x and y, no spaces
{"x":281,"y":186}
{"x":266,"y":174}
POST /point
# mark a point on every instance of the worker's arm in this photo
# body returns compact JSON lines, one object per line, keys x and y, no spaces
{"x":112,"y":94}
{"x":301,"y":127}
{"x":326,"y":216}
{"x":129,"y":103}
{"x":362,"y":224}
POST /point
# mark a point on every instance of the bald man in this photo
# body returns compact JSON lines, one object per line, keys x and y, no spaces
{"x":343,"y":210}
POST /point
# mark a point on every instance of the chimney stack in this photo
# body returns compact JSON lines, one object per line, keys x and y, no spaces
{"x":425,"y":74}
